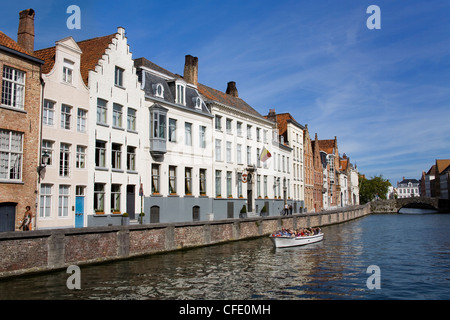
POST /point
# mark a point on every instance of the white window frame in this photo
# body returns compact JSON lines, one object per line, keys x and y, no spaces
{"x":63,"y":201}
{"x":45,"y":205}
{"x":13,"y":88}
{"x":48,"y":117}
{"x":11,"y":155}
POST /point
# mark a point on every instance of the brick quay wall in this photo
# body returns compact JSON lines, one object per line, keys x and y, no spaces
{"x":47,"y":250}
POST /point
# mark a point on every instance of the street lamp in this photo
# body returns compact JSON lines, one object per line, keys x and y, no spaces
{"x":44,"y":159}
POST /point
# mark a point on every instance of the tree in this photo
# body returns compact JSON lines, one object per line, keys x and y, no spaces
{"x":370,"y":188}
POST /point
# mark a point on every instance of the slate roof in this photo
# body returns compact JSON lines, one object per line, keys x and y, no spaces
{"x":93,"y":49}
{"x":151,"y":80}
{"x":228,"y":100}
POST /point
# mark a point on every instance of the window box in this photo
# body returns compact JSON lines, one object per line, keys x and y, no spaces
{"x":99,"y":212}
{"x":116,"y":212}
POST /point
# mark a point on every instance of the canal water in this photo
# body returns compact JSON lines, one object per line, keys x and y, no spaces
{"x":412,"y":253}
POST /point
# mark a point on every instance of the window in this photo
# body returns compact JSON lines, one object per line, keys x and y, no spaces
{"x":198,"y":102}
{"x":284,"y":164}
{"x":258,"y":134}
{"x":249,"y":131}
{"x":239,"y":185}
{"x":99,"y":196}
{"x":265,"y":186}
{"x":172,"y":180}
{"x":218,"y":150}
{"x":116,"y":156}
{"x":45,"y":206}
{"x":172,"y":130}
{"x":258,"y":157}
{"x":202,"y":182}
{"x":81,"y":120}
{"x":159,"y":90}
{"x":155,"y":178}
{"x":100,"y":154}
{"x":249,"y":155}
{"x":228,"y":151}
{"x":258,"y":185}
{"x":159,"y":124}
{"x":180,"y":94}
{"x":66,"y":112}
{"x":218,"y":122}
{"x":13,"y":88}
{"x":131,"y":119}
{"x":229,"y":126}
{"x":118,"y":77}
{"x":47,"y":146}
{"x":229,"y":184}
{"x":102,"y":111}
{"x":218,"y":183}
{"x":115,"y":197}
{"x":188,"y":181}
{"x":265,"y":136}
{"x":49,"y":113}
{"x":239,"y":154}
{"x":67,"y":71}
{"x":131,"y":158}
{"x":63,"y":201}
{"x":64,"y":155}
{"x":117,"y":115}
{"x":188,"y":133}
{"x":81,"y":157}
{"x":202,"y":138}
{"x":239,"y":128}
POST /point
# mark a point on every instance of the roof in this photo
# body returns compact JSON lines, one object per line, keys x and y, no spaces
{"x":282,"y":120}
{"x":9,"y":43}
{"x":327,"y":145}
{"x":93,"y":49}
{"x":406,"y":181}
{"x":441,"y":165}
{"x":227,"y":99}
{"x":343,"y":163}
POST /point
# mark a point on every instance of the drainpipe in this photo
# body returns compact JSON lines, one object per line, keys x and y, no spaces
{"x":39,"y":151}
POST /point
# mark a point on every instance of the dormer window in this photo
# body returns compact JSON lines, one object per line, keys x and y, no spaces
{"x":197,"y":102}
{"x":159,"y":90}
{"x":181,"y":90}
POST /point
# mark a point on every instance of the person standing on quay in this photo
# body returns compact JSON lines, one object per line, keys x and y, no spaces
{"x":26,"y":223}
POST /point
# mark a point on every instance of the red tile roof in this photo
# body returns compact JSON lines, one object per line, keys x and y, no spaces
{"x":93,"y":50}
{"x":327,"y":145}
{"x":11,"y":44}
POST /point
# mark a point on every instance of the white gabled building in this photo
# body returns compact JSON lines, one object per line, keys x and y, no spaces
{"x":117,"y":120}
{"x":65,"y":139}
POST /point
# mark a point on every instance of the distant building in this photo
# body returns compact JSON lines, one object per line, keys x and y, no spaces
{"x":408,"y":188}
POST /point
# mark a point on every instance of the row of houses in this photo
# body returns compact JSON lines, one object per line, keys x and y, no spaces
{"x":88,"y":133}
{"x":435,"y":183}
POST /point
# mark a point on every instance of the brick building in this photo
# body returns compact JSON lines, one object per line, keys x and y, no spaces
{"x":19,"y":123}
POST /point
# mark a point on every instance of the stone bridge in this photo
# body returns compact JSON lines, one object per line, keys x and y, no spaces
{"x":394,"y":205}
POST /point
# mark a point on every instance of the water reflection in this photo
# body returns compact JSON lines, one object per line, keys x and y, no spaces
{"x":412,"y":266}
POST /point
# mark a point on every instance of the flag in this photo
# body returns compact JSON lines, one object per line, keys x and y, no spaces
{"x":265,"y":154}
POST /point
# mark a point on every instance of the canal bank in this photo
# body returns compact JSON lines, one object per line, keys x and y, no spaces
{"x":47,"y":250}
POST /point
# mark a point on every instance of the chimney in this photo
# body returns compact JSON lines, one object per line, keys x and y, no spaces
{"x":25,"y":34}
{"x":231,"y":89}
{"x":272,"y":115}
{"x":191,"y":69}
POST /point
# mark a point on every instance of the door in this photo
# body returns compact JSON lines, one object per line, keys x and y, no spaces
{"x":79,"y":207}
{"x":131,"y":201}
{"x":7,"y":216}
{"x":230,"y":210}
{"x":154,"y":214}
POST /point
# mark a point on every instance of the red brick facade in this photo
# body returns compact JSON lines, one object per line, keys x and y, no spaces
{"x":25,"y":122}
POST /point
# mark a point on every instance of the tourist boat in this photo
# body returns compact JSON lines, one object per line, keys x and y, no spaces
{"x":286,"y":241}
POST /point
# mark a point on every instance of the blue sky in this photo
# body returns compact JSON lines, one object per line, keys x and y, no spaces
{"x":384,"y":93}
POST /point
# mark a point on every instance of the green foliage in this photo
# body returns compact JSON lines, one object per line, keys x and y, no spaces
{"x":370,"y":188}
{"x":244,"y":209}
